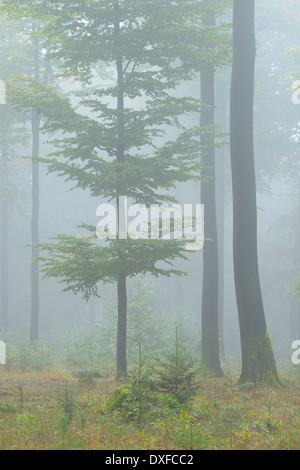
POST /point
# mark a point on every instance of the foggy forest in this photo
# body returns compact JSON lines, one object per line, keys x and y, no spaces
{"x":149,"y":227}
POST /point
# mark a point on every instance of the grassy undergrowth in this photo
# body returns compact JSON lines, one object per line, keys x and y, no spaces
{"x":51,"y":410}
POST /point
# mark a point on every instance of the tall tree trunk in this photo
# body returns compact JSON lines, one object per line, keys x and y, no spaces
{"x":122,"y":328}
{"x":220,"y":207}
{"x":121,"y":284}
{"x":258,"y":363}
{"x":92,"y":315}
{"x":4,"y":233}
{"x":35,"y":123}
{"x":295,"y":304}
{"x":210,"y":355}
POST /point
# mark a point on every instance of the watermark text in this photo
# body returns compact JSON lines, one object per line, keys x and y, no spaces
{"x":159,"y":222}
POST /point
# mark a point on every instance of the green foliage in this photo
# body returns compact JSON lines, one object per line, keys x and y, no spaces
{"x":66,"y":400}
{"x":28,"y":426}
{"x":87,"y":382}
{"x":83,"y":352}
{"x":116,"y":140}
{"x":163,"y":402}
{"x":142,"y":406}
{"x":176,"y":371}
{"x":133,"y":399}
{"x":26,"y":356}
{"x":188,"y":433}
{"x":145,"y":325}
{"x":140,"y":399}
{"x":164,"y":36}
{"x":112,"y":149}
{"x":223,"y":417}
{"x":86,"y":351}
{"x":81,"y":263}
{"x":140,"y":378}
{"x":270,"y":406}
{"x":115,"y":402}
{"x":15,"y":59}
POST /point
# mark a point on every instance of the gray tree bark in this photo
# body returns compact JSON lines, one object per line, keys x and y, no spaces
{"x":121,"y":284}
{"x":210,"y":354}
{"x":258,"y":363}
{"x":4,"y":234}
{"x":35,"y":125}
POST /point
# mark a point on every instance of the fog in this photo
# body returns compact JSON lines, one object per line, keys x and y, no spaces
{"x":174,"y":301}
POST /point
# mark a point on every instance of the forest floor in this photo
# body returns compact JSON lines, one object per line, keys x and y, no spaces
{"x":52,"y":411}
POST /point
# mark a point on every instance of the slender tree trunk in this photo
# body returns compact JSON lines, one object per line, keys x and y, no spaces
{"x":220,"y":208}
{"x":4,"y":234}
{"x":122,"y":328}
{"x":92,"y":315}
{"x":35,"y":122}
{"x":35,"y":230}
{"x":121,"y":284}
{"x":210,"y":356}
{"x":258,"y":363}
{"x":295,"y":304}
{"x":178,"y":290}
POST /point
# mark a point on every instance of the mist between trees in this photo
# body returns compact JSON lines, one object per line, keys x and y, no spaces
{"x":168,"y":104}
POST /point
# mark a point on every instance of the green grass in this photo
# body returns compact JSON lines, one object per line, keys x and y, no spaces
{"x":51,"y":410}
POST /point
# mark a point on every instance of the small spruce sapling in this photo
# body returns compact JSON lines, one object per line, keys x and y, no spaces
{"x":176,"y":371}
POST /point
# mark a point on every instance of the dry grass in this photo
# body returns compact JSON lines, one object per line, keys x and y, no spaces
{"x":51,"y":410}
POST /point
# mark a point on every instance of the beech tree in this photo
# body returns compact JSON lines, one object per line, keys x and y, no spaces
{"x":118,"y":147}
{"x":210,"y":351}
{"x":258,"y":363}
{"x":35,"y":129}
{"x":29,"y":56}
{"x":12,"y":135}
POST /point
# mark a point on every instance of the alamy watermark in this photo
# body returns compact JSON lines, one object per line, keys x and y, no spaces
{"x":159,"y":222}
{"x":2,"y":92}
{"x":296,"y":92}
{"x":296,"y":354}
{"x":2,"y":353}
